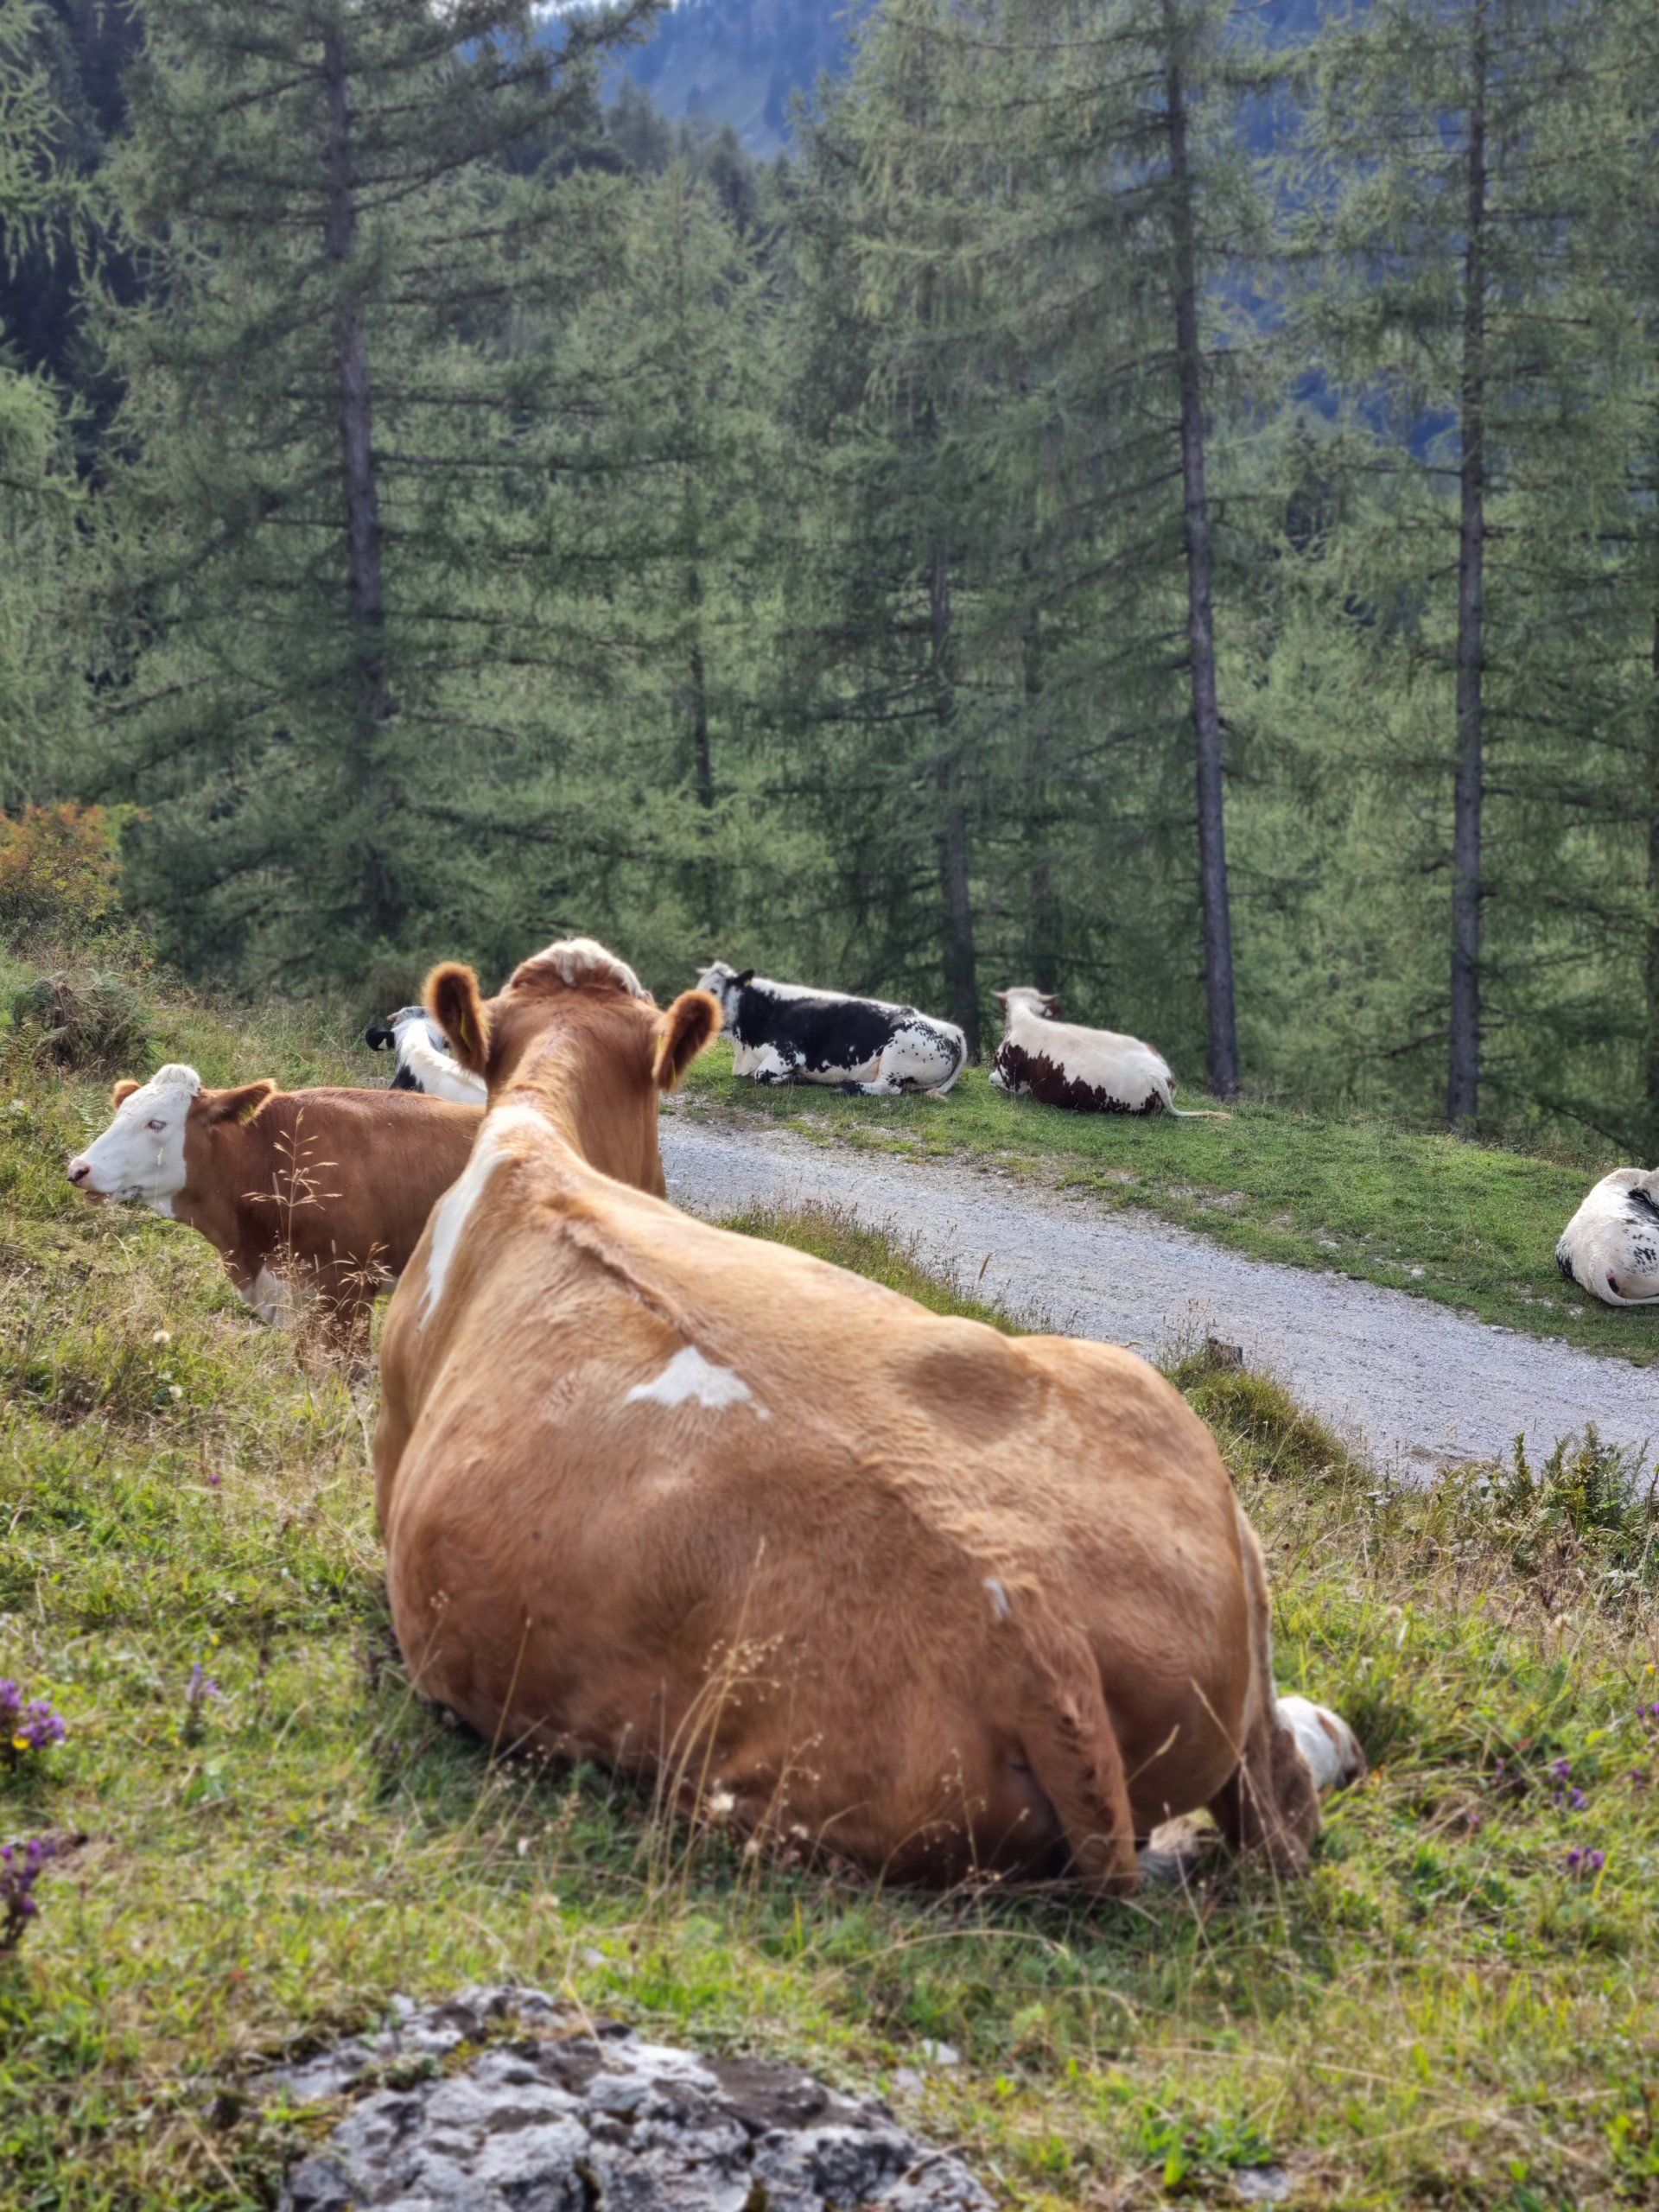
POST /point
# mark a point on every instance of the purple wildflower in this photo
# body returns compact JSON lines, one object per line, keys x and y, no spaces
{"x":198,"y":1691}
{"x":43,"y":1725}
{"x":1579,"y":1861}
{"x":20,"y":1869}
{"x":31,"y":1726}
{"x":1562,"y":1768}
{"x":1576,"y":1801}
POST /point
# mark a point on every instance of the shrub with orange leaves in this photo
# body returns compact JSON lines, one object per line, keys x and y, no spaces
{"x":59,"y":872}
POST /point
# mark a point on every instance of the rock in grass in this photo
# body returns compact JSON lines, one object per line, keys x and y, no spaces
{"x":555,"y":2116}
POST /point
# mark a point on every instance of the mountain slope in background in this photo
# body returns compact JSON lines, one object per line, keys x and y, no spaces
{"x":740,"y":61}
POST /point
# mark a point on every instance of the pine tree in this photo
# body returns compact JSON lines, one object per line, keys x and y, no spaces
{"x":671,"y":459}
{"x":365,"y":221}
{"x":41,"y":209}
{"x":1447,"y":140}
{"x":1045,"y":203}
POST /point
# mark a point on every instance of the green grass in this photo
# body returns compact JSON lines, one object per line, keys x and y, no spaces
{"x":1468,"y":1225}
{"x":1441,"y":2014}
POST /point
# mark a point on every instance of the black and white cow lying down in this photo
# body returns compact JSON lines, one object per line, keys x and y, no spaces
{"x":785,"y":1033}
{"x":1610,"y":1247}
{"x":1090,"y":1070}
{"x":424,"y":1060}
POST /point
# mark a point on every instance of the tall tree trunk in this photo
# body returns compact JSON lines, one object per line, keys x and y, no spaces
{"x":705,"y":884}
{"x":383,"y":907}
{"x":1463,"y":1083}
{"x":1200,"y":589}
{"x":1044,"y":935}
{"x":961,"y":966}
{"x":1653,"y":907}
{"x":703,"y":757}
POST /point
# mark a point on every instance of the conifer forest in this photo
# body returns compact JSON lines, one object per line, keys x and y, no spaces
{"x":1155,"y":500}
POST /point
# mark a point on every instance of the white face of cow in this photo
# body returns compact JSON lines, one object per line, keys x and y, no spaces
{"x":1041,"y":1005}
{"x":140,"y":1156}
{"x":719,"y":978}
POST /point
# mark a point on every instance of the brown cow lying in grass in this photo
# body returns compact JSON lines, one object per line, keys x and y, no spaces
{"x":304,"y":1190}
{"x":814,"y":1558}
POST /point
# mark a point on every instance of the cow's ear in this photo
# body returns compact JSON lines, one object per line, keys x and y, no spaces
{"x":691,"y":1023}
{"x":743,"y":980}
{"x":240,"y":1104}
{"x":1001,"y":997}
{"x":1051,"y":1004}
{"x":124,"y":1089}
{"x":452,"y":1000}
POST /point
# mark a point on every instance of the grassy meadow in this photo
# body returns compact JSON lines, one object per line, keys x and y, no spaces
{"x":1471,"y":1226}
{"x":1451,"y":2010}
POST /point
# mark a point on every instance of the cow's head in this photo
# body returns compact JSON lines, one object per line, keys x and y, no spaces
{"x":143,"y":1156}
{"x":577,"y":1005}
{"x":1022,"y":998}
{"x":381,"y":1036}
{"x":724,"y":984}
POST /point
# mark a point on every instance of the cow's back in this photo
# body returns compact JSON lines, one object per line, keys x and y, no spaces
{"x":712,"y":1441}
{"x":354,"y":1174}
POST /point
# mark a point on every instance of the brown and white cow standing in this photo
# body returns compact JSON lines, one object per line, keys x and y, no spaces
{"x":814,"y":1558}
{"x":323,"y":1190}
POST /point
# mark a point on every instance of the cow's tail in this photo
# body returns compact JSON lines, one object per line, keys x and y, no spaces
{"x":958,"y":1044}
{"x":1165,"y":1093}
{"x":1073,"y":1753}
{"x":1270,"y":1803}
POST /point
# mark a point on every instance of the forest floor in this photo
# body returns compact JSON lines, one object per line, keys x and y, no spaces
{"x":1415,"y":1386}
{"x":1454,"y":2008}
{"x":1469,"y":1226}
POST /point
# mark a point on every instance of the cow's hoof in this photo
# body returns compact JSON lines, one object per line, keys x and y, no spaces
{"x":1170,"y":1856}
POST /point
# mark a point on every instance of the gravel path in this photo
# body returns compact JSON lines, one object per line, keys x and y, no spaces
{"x":1411,"y":1384}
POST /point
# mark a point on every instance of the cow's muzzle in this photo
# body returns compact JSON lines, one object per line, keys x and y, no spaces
{"x":79,"y":1172}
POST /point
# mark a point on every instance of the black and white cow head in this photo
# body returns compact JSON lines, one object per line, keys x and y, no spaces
{"x":424,"y":1060}
{"x":728,"y":985}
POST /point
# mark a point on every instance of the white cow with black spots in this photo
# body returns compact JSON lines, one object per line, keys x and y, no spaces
{"x":1610,"y":1247}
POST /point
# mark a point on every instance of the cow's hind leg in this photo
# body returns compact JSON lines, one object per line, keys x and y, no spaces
{"x":1073,"y":1751}
{"x":1269,"y":1803}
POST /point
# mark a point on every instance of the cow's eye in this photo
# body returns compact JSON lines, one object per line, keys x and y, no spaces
{"x":155,"y":1125}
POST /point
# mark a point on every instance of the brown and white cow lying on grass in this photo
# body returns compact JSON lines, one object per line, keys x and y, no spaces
{"x":1610,"y":1247}
{"x":808,"y":1557}
{"x":322,"y":1191}
{"x":1090,"y":1070}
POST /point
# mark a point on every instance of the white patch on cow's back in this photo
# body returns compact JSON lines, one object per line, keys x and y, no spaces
{"x":1324,"y":1740}
{"x":688,"y":1375}
{"x":999,"y":1604}
{"x":454,"y":1209}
